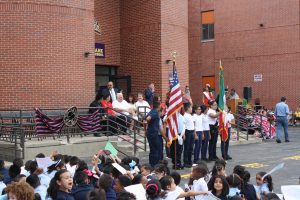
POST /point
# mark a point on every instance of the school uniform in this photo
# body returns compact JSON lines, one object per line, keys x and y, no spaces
{"x":212,"y":147}
{"x":61,"y":195}
{"x":200,"y":186}
{"x":199,"y":130}
{"x":153,"y":137}
{"x":189,"y":139}
{"x":225,"y":145}
{"x":205,"y":132}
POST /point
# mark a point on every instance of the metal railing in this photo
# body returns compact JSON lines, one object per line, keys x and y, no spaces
{"x":18,"y":126}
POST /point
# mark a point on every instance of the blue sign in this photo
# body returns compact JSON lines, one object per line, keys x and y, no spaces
{"x":99,"y":50}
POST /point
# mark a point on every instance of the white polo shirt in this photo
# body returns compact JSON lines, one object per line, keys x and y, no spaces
{"x":189,"y":122}
{"x":200,"y":186}
{"x":211,"y":120}
{"x":198,"y":122}
{"x":142,"y":104}
{"x":205,"y":124}
{"x":228,"y":118}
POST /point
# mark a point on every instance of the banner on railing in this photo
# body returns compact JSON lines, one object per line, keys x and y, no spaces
{"x":46,"y":125}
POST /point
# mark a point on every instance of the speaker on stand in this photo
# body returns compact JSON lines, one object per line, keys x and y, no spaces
{"x":247,"y":93}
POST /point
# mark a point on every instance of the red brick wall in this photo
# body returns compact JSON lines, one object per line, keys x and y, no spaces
{"x":247,"y":49}
{"x":174,"y":36}
{"x":141,"y":43}
{"x":42,"y":47}
{"x":107,"y":13}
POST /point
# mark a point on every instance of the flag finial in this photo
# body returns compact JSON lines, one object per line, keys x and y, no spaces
{"x":174,"y":54}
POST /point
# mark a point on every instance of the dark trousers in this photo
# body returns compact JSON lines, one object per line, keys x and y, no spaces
{"x":204,"y":145}
{"x":179,"y":149}
{"x":153,"y":140}
{"x":124,"y":122}
{"x":198,"y":144}
{"x":166,"y":147}
{"x":161,"y":148}
{"x":225,"y":145}
{"x":212,"y":147}
{"x":188,"y":147}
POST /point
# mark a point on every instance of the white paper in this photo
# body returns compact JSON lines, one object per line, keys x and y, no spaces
{"x":44,"y":162}
{"x":119,"y":168}
{"x":291,"y":192}
{"x":138,"y":190}
{"x":278,"y":167}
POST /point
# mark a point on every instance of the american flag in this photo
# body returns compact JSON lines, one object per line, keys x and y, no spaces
{"x":175,"y":103}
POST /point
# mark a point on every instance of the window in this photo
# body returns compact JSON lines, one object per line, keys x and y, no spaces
{"x":207,"y":19}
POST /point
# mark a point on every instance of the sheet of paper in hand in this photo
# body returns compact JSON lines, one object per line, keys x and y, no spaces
{"x":291,"y":192}
{"x":45,"y":162}
{"x":138,"y":190}
{"x":119,"y":168}
{"x":111,"y":148}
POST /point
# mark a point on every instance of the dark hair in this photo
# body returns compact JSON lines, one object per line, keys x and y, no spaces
{"x":33,"y":180}
{"x":126,"y":160}
{"x":162,"y":168}
{"x":225,"y":189}
{"x":165,"y":182}
{"x":268,"y":179}
{"x":137,"y":179}
{"x":195,"y":107}
{"x":235,"y":197}
{"x":40,"y":155}
{"x":283,"y":99}
{"x":272,"y":196}
{"x":19,"y":162}
{"x":176,"y":176}
{"x":201,"y":169}
{"x":67,"y":158}
{"x":147,"y":167}
{"x":82,"y":165}
{"x":211,"y":102}
{"x":187,"y":106}
{"x":80,"y":177}
{"x":246,"y":177}
{"x":133,"y":98}
{"x":239,"y":170}
{"x":219,"y":164}
{"x":18,"y":177}
{"x":14,"y":171}
{"x":126,"y":196}
{"x":203,"y":108}
{"x":74,"y":160}
{"x":37,"y":196}
{"x":234,"y":181}
{"x":53,"y":186}
{"x":153,"y":189}
{"x":96,"y":194}
{"x":32,"y":166}
{"x":58,"y":164}
{"x":156,"y":103}
{"x":105,"y":96}
{"x":124,"y":180}
{"x":105,"y":182}
{"x":98,"y":96}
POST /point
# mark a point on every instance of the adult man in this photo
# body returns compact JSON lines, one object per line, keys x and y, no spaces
{"x":281,"y":113}
{"x":111,"y":91}
{"x":233,"y":94}
{"x":149,"y":93}
{"x":123,"y":109}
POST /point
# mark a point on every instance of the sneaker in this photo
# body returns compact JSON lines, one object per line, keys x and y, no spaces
{"x":278,"y":141}
{"x":187,"y":166}
{"x":228,"y":157}
{"x":287,"y":141}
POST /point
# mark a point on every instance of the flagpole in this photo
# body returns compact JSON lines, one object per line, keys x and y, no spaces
{"x":222,"y":113}
{"x":175,"y":144}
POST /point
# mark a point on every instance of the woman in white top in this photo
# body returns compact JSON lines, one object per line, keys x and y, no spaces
{"x":205,"y":132}
{"x":213,"y":126}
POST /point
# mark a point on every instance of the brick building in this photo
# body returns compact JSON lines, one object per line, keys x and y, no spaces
{"x":47,"y":48}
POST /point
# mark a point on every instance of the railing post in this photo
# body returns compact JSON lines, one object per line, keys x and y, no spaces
{"x":16,"y":144}
{"x":21,"y":116}
{"x":22,"y":142}
{"x":68,"y":135}
{"x":237,"y":127}
{"x":134,"y":139}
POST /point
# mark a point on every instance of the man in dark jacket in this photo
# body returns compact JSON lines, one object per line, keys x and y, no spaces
{"x":82,"y":186}
{"x":110,"y":90}
{"x":149,"y":94}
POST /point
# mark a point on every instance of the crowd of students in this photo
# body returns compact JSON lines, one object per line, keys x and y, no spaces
{"x":70,"y":178}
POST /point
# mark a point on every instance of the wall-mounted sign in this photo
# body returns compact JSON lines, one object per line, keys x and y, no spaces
{"x":99,"y":50}
{"x":97,"y":27}
{"x":257,"y":77}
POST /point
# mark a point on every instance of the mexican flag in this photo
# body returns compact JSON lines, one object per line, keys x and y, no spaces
{"x":223,"y":126}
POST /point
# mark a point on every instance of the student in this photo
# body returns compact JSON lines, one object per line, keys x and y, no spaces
{"x":247,"y":189}
{"x":139,"y":179}
{"x":105,"y":183}
{"x":168,"y":185}
{"x":19,"y":191}
{"x":146,"y":170}
{"x":60,"y":164}
{"x":220,"y":187}
{"x":61,"y":185}
{"x":82,"y":186}
{"x":234,"y":182}
{"x":199,"y":132}
{"x":265,"y":185}
{"x":33,"y":169}
{"x":205,"y":134}
{"x":34,"y":181}
{"x":229,"y":119}
{"x":126,"y":196}
{"x":2,"y":184}
{"x":153,"y":190}
{"x":177,"y":178}
{"x":213,"y":126}
{"x":160,"y":171}
{"x":199,"y":184}
{"x":122,"y":182}
{"x":189,"y":135}
{"x":152,"y":134}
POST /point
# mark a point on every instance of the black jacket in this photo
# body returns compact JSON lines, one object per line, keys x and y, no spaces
{"x":80,"y":191}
